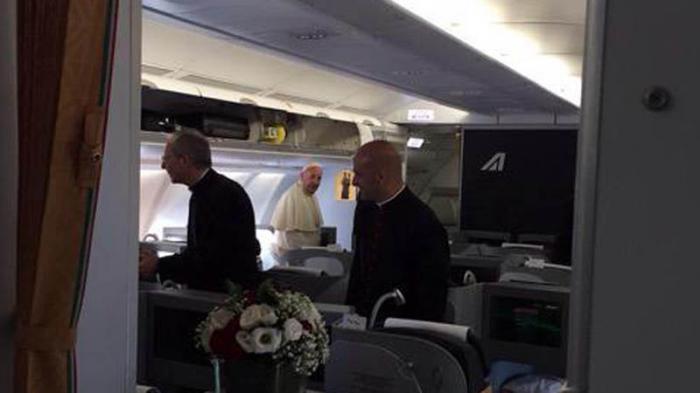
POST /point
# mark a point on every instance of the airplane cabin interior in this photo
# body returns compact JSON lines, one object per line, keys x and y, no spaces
{"x":498,"y":176}
{"x":492,"y":114}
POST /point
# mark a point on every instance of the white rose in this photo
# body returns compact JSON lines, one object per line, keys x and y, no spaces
{"x":292,"y":329}
{"x":250,"y":317}
{"x":245,"y":340}
{"x":266,"y":340}
{"x":311,"y":314}
{"x":257,"y":314}
{"x":315,"y":315}
{"x":220,"y":318}
{"x":267,"y":315}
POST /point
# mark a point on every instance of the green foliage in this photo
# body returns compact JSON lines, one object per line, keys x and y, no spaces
{"x":267,"y":293}
{"x":234,"y":290}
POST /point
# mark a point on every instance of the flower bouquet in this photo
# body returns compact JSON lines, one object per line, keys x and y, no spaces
{"x":270,"y":339}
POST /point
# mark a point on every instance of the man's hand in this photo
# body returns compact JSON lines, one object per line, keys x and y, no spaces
{"x":148,"y":263}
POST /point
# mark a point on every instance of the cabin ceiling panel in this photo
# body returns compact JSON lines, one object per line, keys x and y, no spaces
{"x":289,"y":98}
{"x":399,"y":29}
{"x":201,"y":55}
{"x":571,"y":11}
{"x":232,"y":66}
{"x":163,"y":44}
{"x":317,"y":85}
{"x":574,"y":62}
{"x":154,"y":70}
{"x":346,"y":52}
{"x":207,"y":81}
{"x":552,"y":37}
{"x":242,"y":66}
{"x":252,"y":17}
{"x":387,"y":101}
{"x":382,"y":43}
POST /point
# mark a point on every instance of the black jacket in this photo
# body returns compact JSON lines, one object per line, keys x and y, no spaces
{"x":400,"y":245}
{"x":221,"y":241}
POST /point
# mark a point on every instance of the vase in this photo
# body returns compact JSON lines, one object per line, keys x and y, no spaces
{"x":261,"y":376}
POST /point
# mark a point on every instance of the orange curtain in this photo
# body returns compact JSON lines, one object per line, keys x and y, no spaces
{"x":64,"y":67}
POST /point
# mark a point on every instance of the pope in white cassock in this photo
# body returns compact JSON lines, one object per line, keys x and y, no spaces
{"x":297,"y":218}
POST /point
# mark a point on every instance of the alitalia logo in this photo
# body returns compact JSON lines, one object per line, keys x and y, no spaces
{"x":495,"y":163}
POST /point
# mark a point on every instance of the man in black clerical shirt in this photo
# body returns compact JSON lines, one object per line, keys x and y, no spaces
{"x":221,"y":241}
{"x":399,"y":243}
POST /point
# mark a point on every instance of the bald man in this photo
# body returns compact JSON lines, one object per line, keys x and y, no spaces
{"x":297,"y":217}
{"x":398,"y":241}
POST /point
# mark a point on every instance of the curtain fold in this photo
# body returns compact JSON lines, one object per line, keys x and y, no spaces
{"x":65,"y":50}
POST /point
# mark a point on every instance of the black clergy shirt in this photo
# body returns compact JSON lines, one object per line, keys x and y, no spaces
{"x":399,"y":245}
{"x":221,"y":241}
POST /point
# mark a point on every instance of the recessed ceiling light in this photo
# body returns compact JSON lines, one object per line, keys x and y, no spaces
{"x":408,"y":72}
{"x":313,"y":35}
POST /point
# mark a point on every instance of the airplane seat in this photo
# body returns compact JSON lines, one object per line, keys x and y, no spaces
{"x":528,"y":383}
{"x":461,"y":337}
{"x":321,"y":274}
{"x":463,"y":305}
{"x":522,"y":268}
{"x":493,"y":238}
{"x":445,"y":210}
{"x":444,"y":201}
{"x":468,"y":354}
{"x":330,"y":266}
{"x":414,"y":358}
{"x":548,"y":241}
{"x":331,"y":262}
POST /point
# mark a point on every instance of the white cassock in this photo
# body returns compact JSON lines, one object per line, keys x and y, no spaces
{"x":297,"y":220}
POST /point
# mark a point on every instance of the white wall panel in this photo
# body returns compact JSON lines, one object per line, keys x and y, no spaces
{"x":637,"y":207}
{"x":106,"y":349}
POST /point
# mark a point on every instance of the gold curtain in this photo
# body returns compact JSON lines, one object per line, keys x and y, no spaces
{"x":65,"y":50}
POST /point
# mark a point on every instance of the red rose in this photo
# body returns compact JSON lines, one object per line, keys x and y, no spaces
{"x":223,"y":341}
{"x":248,"y":298}
{"x":306,"y":325}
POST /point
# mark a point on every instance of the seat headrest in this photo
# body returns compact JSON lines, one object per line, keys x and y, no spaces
{"x":455,"y":339}
{"x":299,"y":270}
{"x":458,"y":332}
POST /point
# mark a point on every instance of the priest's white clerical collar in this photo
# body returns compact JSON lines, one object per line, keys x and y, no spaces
{"x":391,"y":198}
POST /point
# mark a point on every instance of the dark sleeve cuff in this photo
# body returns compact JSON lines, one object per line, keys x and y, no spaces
{"x":166,"y":267}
